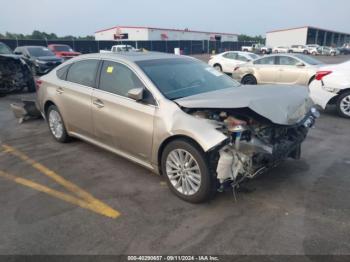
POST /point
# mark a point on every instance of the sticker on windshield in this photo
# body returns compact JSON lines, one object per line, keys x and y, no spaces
{"x":110,"y":69}
{"x":214,"y":71}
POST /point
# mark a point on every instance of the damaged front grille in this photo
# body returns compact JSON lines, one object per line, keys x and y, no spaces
{"x":254,"y":145}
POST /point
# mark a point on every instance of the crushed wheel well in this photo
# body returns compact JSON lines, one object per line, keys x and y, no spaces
{"x":170,"y":139}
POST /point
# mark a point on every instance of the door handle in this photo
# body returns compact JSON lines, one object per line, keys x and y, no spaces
{"x":59,"y":90}
{"x":98,"y":103}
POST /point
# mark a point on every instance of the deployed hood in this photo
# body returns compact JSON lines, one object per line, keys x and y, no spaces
{"x":281,"y":104}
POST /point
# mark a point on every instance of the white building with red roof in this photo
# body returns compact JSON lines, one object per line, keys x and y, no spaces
{"x":139,"y":33}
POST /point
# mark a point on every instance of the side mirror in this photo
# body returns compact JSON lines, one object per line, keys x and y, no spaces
{"x":300,"y":64}
{"x":136,"y":93}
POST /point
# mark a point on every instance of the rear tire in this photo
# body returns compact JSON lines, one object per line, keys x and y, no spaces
{"x":56,"y":125}
{"x":218,"y":67}
{"x":249,"y":80}
{"x":343,"y":105}
{"x":184,"y":166}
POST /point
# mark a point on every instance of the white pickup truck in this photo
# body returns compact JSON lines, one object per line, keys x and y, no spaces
{"x":119,"y":48}
{"x":257,"y":48}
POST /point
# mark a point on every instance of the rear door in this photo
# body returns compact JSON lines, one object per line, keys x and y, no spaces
{"x":73,"y":96}
{"x":120,"y":122}
{"x":229,"y":62}
{"x":266,"y":70}
{"x":289,"y":72}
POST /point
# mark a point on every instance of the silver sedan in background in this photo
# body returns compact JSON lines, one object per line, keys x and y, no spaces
{"x":292,"y":69}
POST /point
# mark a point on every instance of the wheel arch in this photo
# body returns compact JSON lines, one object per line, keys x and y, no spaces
{"x":217,"y":64}
{"x":335,"y":98}
{"x":311,"y":79}
{"x":47,"y":104}
{"x":171,"y":139}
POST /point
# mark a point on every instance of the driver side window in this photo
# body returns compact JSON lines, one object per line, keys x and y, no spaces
{"x":119,"y":79}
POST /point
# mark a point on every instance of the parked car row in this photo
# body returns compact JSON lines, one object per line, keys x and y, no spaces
{"x":327,"y":84}
{"x":308,"y":49}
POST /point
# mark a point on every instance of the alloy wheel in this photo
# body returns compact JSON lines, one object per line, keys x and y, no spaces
{"x":183,"y":172}
{"x":345,"y":105}
{"x":55,"y":123}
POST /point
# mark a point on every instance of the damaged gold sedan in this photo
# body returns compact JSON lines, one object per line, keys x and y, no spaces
{"x":176,"y":116}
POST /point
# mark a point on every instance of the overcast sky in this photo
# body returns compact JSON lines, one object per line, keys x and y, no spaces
{"x":252,"y":17}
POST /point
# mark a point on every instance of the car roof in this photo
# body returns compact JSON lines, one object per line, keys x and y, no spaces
{"x":132,"y":56}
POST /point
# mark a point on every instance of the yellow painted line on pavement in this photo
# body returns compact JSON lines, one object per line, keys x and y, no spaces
{"x":86,"y":197}
{"x":65,"y":197}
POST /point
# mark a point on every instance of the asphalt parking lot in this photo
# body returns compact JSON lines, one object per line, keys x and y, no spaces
{"x":78,"y":199}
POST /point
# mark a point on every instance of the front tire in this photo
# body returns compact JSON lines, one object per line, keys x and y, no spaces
{"x":184,"y":166}
{"x":343,"y":105}
{"x":56,"y":125}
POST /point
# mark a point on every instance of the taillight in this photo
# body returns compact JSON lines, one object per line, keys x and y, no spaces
{"x":322,"y":74}
{"x":38,"y":83}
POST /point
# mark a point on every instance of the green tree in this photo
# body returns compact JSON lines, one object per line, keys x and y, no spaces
{"x":247,"y":38}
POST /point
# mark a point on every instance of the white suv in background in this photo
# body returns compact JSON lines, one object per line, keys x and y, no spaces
{"x":299,"y":49}
{"x":226,"y":62}
{"x":332,"y":86}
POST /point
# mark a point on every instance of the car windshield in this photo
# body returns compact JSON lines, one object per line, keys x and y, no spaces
{"x":39,"y":51}
{"x":182,"y":77}
{"x":309,"y":60}
{"x":4,"y":49}
{"x":253,"y":56}
{"x":63,"y":48}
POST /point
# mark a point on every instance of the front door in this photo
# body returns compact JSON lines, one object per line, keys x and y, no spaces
{"x":122,"y":123}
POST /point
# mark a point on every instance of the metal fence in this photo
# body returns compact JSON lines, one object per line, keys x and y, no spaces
{"x":188,"y":47}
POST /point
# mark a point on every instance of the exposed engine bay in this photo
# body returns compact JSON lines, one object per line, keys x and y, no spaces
{"x":254,"y":143}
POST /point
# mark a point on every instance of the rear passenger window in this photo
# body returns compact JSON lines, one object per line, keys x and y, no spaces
{"x":230,"y":55}
{"x":286,"y":60}
{"x":242,"y":58}
{"x":118,"y":79}
{"x":83,"y":72}
{"x":62,"y":72}
{"x":270,"y":60}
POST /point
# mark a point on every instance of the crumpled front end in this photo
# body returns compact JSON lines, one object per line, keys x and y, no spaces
{"x":255,"y":144}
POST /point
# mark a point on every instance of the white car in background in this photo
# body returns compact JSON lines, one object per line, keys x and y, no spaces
{"x":281,"y":49}
{"x":227,"y":61}
{"x":332,"y":86}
